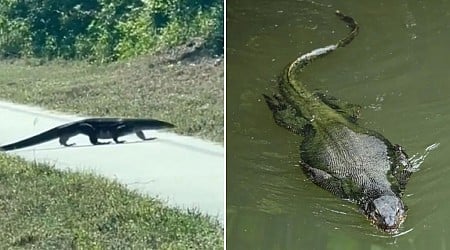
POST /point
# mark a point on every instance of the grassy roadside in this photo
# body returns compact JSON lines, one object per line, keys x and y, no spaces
{"x":44,"y":208}
{"x":188,"y":93}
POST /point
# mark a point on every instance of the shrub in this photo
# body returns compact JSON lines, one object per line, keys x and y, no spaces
{"x":105,"y":30}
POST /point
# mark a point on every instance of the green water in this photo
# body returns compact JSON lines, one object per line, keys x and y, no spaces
{"x":397,"y":69}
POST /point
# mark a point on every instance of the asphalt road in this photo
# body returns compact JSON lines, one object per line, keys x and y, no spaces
{"x":183,"y":171}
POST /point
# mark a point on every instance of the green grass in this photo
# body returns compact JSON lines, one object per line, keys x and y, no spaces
{"x":44,"y":208}
{"x":188,"y":94}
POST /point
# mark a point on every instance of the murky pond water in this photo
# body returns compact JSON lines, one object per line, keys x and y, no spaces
{"x":397,"y":69}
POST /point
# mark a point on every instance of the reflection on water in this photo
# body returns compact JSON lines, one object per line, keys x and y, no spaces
{"x":396,"y":69}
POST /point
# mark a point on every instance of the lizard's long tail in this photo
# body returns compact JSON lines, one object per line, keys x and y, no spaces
{"x":353,"y":26}
{"x":37,"y":139}
{"x":305,"y":59}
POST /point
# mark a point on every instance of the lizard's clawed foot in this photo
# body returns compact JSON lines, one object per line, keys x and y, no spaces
{"x":103,"y":143}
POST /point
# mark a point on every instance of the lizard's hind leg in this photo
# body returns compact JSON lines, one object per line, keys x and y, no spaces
{"x":63,"y":141}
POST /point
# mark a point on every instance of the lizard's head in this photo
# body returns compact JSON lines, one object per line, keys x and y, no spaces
{"x":387,"y":212}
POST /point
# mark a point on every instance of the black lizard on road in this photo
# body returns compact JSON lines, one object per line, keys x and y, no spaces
{"x":95,"y":128}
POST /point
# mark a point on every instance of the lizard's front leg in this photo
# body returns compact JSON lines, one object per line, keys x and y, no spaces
{"x":403,"y":169}
{"x":141,"y":135}
{"x":116,"y":139}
